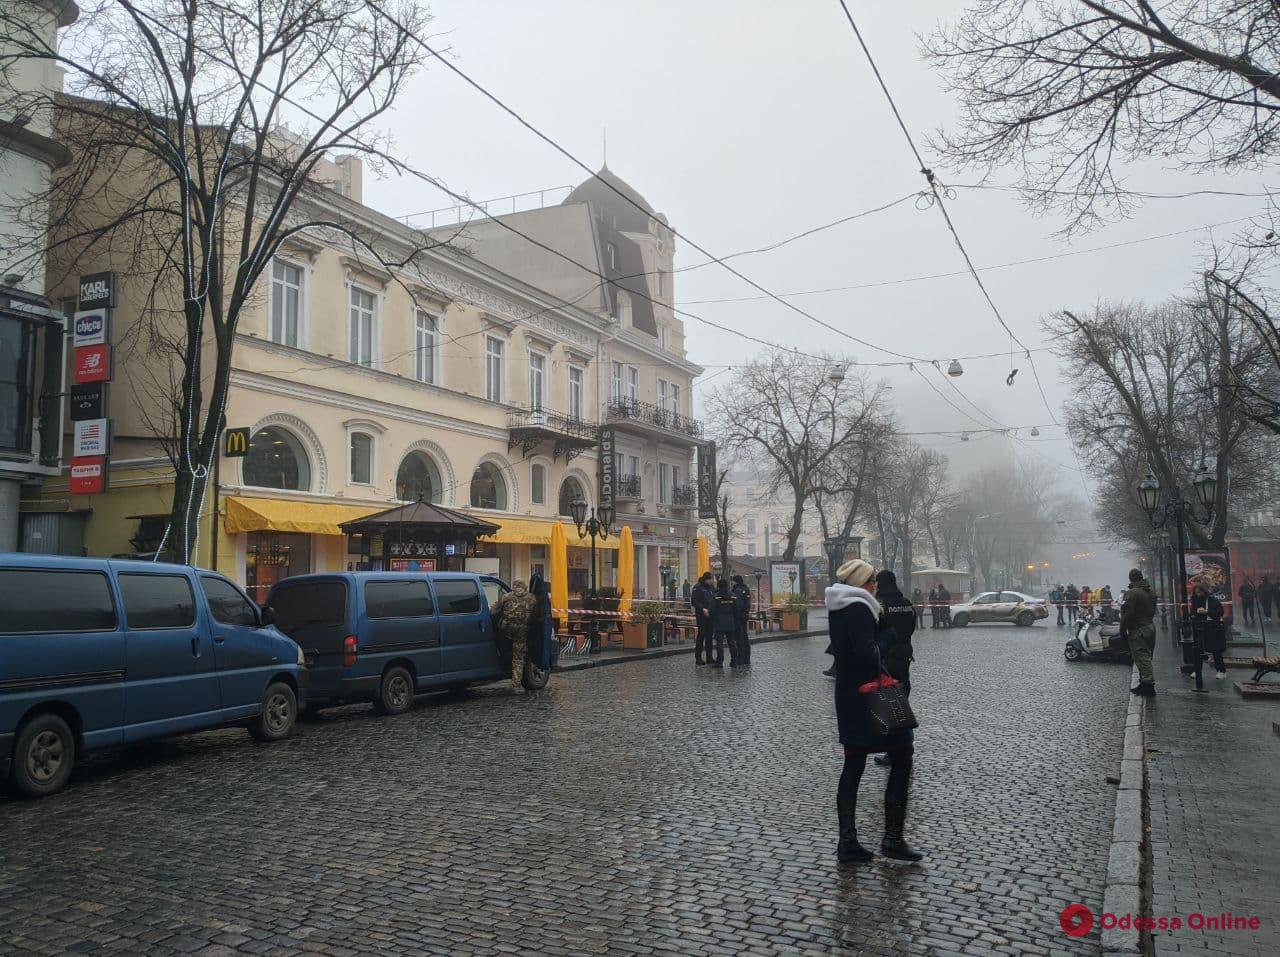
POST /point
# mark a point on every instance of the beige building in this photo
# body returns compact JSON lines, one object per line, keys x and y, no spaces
{"x":469,"y":380}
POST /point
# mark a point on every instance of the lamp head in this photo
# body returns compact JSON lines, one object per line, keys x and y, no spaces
{"x":955,"y":370}
{"x":1206,"y":486}
{"x":578,"y":509}
{"x":1149,"y":494}
{"x":606,"y":516}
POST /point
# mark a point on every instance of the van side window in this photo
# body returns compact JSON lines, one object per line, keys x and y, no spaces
{"x":157,"y":601}
{"x":312,"y":604}
{"x":226,"y":603}
{"x":44,"y":600}
{"x":457,"y":596}
{"x":411,"y":599}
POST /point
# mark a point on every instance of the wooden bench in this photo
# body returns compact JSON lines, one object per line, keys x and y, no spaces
{"x":1265,"y":666}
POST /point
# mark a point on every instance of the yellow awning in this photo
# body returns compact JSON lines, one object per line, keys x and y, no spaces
{"x":283,"y":515}
{"x":537,"y":531}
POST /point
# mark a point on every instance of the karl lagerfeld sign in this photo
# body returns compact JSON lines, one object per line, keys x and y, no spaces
{"x":98,"y":291}
{"x":607,"y":464}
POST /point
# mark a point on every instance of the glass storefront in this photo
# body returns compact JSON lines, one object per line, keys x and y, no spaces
{"x":271,"y":556}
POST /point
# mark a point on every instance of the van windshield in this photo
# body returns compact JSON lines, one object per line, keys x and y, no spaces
{"x":311,"y":609}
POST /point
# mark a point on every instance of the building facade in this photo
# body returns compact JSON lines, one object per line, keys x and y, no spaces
{"x":452,"y":381}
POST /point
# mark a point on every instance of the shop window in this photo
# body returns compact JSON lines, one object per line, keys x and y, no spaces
{"x":273,"y":556}
{"x":17,"y":381}
{"x":418,"y":479}
{"x":488,"y":489}
{"x":276,"y":459}
{"x":538,"y":485}
{"x":570,"y":491}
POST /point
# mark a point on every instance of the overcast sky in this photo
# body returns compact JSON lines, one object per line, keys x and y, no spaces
{"x":751,"y":121}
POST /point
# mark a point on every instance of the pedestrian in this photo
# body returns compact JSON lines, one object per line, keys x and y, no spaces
{"x":1206,"y":625}
{"x":857,"y":636}
{"x":1055,"y":596}
{"x":1107,"y":599}
{"x":741,"y":611}
{"x":687,"y":592}
{"x":917,"y":602}
{"x":1266,"y":595}
{"x":1073,"y":603}
{"x":944,"y":605}
{"x":899,"y":615}
{"x":1247,"y":595}
{"x":1136,"y":624}
{"x":1086,"y":601}
{"x":724,"y":628}
{"x":513,"y":613}
{"x":702,"y":597}
{"x":933,"y":606}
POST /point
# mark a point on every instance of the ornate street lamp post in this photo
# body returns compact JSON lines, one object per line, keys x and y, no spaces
{"x":596,"y":528}
{"x":1179,"y":509}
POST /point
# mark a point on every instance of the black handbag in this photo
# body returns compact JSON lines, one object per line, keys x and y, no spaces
{"x":886,"y":701}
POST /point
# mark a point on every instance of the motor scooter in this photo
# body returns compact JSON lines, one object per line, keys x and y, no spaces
{"x":1098,"y":637}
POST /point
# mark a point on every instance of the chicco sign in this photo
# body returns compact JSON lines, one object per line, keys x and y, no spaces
{"x":90,"y":328}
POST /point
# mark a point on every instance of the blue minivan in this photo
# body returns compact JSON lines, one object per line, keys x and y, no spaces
{"x":384,"y":636}
{"x":97,"y":653}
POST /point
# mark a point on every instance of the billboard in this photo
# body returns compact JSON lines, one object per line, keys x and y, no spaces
{"x":785,"y":578}
{"x":608,"y":463}
{"x":89,"y":475}
{"x":1212,"y":568}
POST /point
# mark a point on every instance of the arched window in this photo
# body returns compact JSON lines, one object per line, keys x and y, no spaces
{"x":570,"y":489}
{"x":277,"y":459}
{"x":418,"y":478}
{"x":488,"y":489}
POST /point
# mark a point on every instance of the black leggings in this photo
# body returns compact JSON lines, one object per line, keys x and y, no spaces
{"x":896,"y":788}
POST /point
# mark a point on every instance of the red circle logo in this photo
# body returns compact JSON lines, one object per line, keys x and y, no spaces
{"x":1076,"y":920}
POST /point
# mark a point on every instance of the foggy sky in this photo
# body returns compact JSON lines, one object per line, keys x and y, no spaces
{"x":748,"y":122}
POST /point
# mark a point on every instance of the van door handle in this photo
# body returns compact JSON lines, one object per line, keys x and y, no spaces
{"x":195,"y":647}
{"x":219,"y":639}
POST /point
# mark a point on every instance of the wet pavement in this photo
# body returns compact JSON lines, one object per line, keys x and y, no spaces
{"x":653,"y":807}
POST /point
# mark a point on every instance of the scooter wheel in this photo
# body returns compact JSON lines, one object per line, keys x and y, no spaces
{"x":1072,"y":652}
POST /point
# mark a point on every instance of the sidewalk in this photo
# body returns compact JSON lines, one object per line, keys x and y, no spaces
{"x":1213,"y":778}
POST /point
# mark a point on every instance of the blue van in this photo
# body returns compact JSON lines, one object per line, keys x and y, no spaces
{"x":97,"y":653}
{"x":384,"y":636}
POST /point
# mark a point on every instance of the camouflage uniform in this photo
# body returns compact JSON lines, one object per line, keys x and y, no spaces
{"x":1137,"y":613}
{"x":513,"y":613}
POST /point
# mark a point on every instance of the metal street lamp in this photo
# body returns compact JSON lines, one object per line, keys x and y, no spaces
{"x":596,"y":527}
{"x":955,"y":370}
{"x":1179,"y":509}
{"x":759,"y":578}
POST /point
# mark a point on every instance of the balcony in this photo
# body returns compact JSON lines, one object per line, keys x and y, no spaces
{"x":653,"y":420}
{"x":567,"y":435}
{"x":628,"y":487}
{"x":684,"y":496}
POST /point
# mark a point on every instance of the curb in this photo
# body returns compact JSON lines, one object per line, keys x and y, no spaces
{"x":583,"y":665}
{"x":1128,"y":889}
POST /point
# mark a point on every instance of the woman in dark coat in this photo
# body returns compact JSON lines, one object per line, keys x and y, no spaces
{"x":860,"y":639}
{"x":1206,"y":622}
{"x":724,"y":625}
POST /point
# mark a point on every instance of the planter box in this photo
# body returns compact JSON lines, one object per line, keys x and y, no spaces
{"x":792,"y":620}
{"x":641,"y":635}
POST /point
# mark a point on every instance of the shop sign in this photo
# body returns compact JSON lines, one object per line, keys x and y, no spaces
{"x":607,"y":464}
{"x":90,"y":327}
{"x":93,"y":364}
{"x":98,"y":291}
{"x":92,"y":438}
{"x":375,"y":546}
{"x":235,"y":443}
{"x":407,"y":549}
{"x":89,"y":401}
{"x":707,"y":480}
{"x":89,"y":475}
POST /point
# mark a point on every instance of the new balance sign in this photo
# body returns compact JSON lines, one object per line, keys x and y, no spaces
{"x":93,"y":364}
{"x":89,"y":328}
{"x":89,"y":476}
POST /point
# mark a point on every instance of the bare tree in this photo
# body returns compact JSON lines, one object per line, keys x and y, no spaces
{"x":909,"y":486}
{"x":1066,"y":89}
{"x":174,"y":119}
{"x":790,"y":413}
{"x":1009,"y":518}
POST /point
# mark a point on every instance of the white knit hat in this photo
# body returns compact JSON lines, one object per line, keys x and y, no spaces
{"x":855,"y":572}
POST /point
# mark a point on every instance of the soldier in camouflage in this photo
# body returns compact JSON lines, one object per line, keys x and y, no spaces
{"x":1137,"y":614}
{"x":513,"y":613}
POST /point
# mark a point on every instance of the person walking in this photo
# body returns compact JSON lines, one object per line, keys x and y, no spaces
{"x":741,"y":611}
{"x":1086,"y":601}
{"x":917,"y":602}
{"x":933,"y":606}
{"x":1266,"y":595}
{"x":702,"y":598}
{"x":1073,"y":603}
{"x":513,"y":613}
{"x":1055,"y":596}
{"x":899,"y":615}
{"x":1137,"y":614}
{"x":1247,"y":595}
{"x":1206,"y":625}
{"x":856,"y":626}
{"x":1107,"y":600}
{"x":724,"y":626}
{"x":944,"y":605}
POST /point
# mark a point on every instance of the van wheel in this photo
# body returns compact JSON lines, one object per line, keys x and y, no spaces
{"x":535,"y":678}
{"x":279,"y":714}
{"x":43,"y":755}
{"x":396,"y":694}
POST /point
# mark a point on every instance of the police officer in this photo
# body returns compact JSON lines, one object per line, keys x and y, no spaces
{"x":703,"y":599}
{"x":742,"y":595}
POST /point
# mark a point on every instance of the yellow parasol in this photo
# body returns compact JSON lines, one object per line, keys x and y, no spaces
{"x":704,"y":557}
{"x":626,"y":567}
{"x":559,"y":570}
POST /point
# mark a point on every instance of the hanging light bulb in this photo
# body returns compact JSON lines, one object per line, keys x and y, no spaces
{"x":955,"y":370}
{"x":964,"y":436}
{"x":1034,"y":431}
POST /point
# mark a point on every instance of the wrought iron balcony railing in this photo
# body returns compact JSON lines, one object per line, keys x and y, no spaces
{"x":622,"y":409}
{"x":570,"y":434}
{"x":684,"y":496}
{"x":628,"y":486}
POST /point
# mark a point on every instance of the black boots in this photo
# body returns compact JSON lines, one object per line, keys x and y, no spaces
{"x":1144,"y":689}
{"x":849,"y":850}
{"x":895,"y":813}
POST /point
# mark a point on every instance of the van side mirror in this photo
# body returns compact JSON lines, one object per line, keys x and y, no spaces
{"x":267,"y":616}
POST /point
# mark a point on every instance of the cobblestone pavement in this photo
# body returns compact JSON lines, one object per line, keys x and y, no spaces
{"x":1213,"y":781}
{"x":652,"y":807}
